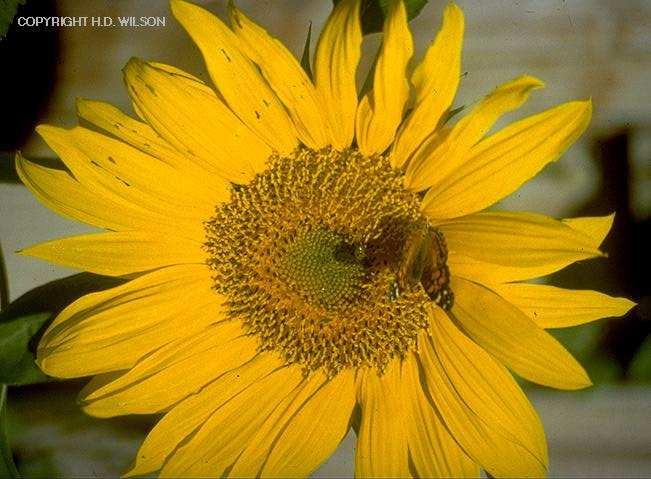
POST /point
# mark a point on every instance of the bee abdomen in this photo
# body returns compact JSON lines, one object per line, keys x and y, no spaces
{"x":444,"y":298}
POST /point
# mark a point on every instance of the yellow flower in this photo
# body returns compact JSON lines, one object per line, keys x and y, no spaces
{"x":285,"y":245}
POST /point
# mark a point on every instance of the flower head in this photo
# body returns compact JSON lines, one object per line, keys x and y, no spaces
{"x":301,"y":260}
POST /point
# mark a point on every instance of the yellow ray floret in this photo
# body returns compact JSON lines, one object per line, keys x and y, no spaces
{"x":189,"y":115}
{"x":337,"y":55}
{"x":380,"y":111}
{"x":382,"y":438}
{"x":514,"y":339}
{"x":236,"y":78}
{"x":480,"y":439}
{"x":501,"y":163}
{"x":219,"y":441}
{"x":119,"y":253}
{"x":435,"y":83}
{"x":286,"y":77}
{"x":552,"y":307}
{"x":61,"y":192}
{"x":486,"y":386}
{"x":483,"y":268}
{"x":186,"y":417}
{"x":434,"y":451}
{"x":429,"y":166}
{"x":143,"y":137}
{"x":324,"y":418}
{"x":188,"y":363}
{"x":111,"y":330}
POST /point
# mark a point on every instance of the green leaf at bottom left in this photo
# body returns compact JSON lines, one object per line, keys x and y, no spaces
{"x":17,"y":364}
{"x":7,"y":466}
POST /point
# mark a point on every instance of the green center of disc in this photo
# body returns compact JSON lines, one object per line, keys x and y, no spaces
{"x":323,"y":268}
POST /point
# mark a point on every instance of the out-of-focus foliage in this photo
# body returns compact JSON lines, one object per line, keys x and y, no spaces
{"x":583,"y":342}
{"x":640,"y":369}
{"x":52,"y":297}
{"x":8,"y":9}
{"x":7,"y":171}
{"x":7,"y":466}
{"x":373,"y":12}
{"x":305,"y":57}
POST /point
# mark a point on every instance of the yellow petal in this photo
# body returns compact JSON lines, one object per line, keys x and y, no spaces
{"x":337,"y":55}
{"x":513,"y":339}
{"x":313,"y":434}
{"x":595,"y":227}
{"x":592,"y":230}
{"x":490,"y":273}
{"x":114,"y":169}
{"x":62,"y":193}
{"x":116,"y":254}
{"x":236,"y":78}
{"x":380,"y":111}
{"x":285,"y":76}
{"x":310,"y":398}
{"x":190,"y":116}
{"x":486,"y":387}
{"x":485,"y":445}
{"x":425,"y":171}
{"x":435,"y":83}
{"x":500,"y":164}
{"x":187,"y":363}
{"x":551,"y":307}
{"x":94,"y":158}
{"x":524,"y":240}
{"x":250,"y":461}
{"x":220,"y":333}
{"x":185,"y":418}
{"x":431,"y":447}
{"x":131,"y":131}
{"x":112,"y":329}
{"x":140,"y":135}
{"x":382,"y":440}
{"x":221,"y":438}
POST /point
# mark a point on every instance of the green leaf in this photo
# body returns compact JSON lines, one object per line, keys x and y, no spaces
{"x":17,"y":364}
{"x":7,"y":466}
{"x":305,"y":58}
{"x":8,"y":9}
{"x":374,"y":11}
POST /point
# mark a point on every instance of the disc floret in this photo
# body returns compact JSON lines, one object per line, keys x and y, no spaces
{"x":305,"y":255}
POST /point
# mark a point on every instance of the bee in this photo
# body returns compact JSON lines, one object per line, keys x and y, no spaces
{"x":423,"y":259}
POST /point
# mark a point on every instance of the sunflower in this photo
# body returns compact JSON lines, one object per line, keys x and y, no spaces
{"x":300,"y":260}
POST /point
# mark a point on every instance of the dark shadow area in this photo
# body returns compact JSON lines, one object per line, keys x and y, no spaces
{"x":29,"y":59}
{"x":624,"y":272}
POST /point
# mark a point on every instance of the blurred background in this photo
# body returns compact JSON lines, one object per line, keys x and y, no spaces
{"x":580,"y":48}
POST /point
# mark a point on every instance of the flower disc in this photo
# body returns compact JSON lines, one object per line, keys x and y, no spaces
{"x":306,"y":254}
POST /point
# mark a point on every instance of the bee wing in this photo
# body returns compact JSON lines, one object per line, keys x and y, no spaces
{"x":410,"y":267}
